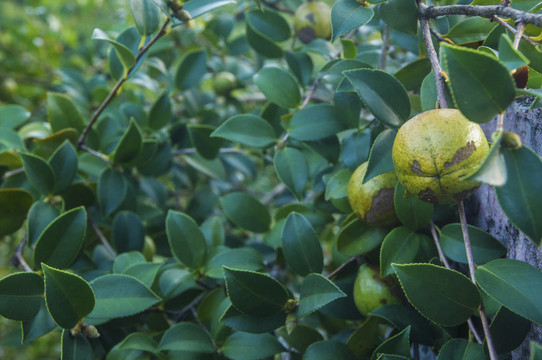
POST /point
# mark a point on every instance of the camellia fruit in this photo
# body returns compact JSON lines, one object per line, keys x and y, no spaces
{"x":434,"y":151}
{"x":313,"y":20}
{"x":224,"y":82}
{"x":373,"y":201}
{"x":372,"y":292}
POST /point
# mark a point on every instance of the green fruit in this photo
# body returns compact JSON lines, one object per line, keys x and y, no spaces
{"x":313,"y":20}
{"x":371,"y":292}
{"x":224,"y":82}
{"x":149,"y":248}
{"x":373,"y":201}
{"x":434,"y":151}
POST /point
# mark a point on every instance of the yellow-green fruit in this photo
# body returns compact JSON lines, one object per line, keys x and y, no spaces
{"x":373,"y":201}
{"x":313,"y":20}
{"x":434,"y":151}
{"x":371,"y":292}
{"x":224,"y":82}
{"x":149,"y":248}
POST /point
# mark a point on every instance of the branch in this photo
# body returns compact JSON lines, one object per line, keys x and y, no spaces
{"x":114,"y":91}
{"x":488,"y":11}
{"x":101,"y":236}
{"x":18,"y":258}
{"x":513,"y":30}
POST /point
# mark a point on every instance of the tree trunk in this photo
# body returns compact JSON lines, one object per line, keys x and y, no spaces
{"x":485,"y":212}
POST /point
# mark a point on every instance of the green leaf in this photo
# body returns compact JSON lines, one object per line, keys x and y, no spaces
{"x":129,"y":145}
{"x":398,"y":344}
{"x":510,"y":57}
{"x":400,"y":246}
{"x":383,"y":95}
{"x":315,"y":122}
{"x":300,"y":63}
{"x":241,"y":258}
{"x":316,"y":292}
{"x":413,"y":74}
{"x":328,"y":349}
{"x":252,"y":324}
{"x":470,"y":30}
{"x":201,"y":137}
{"x":347,"y":15}
{"x":185,"y":239}
{"x":402,"y":15}
{"x":144,"y":272}
{"x":39,"y":325}
{"x":301,"y":337}
{"x":69,"y":297}
{"x":119,"y":296}
{"x":112,"y":190}
{"x":462,"y":349}
{"x":60,"y":243}
{"x":337,"y":190}
{"x":200,"y":7}
{"x":192,"y":67}
{"x":253,"y":293}
{"x":249,"y":130}
{"x":246,"y":211}
{"x":264,"y":30}
{"x":380,"y":159}
{"x":20,"y":296}
{"x":75,"y":347}
{"x":481,"y":85}
{"x":292,"y":169}
{"x":357,"y":238}
{"x":127,"y":232}
{"x":125,"y":55}
{"x":484,"y":246}
{"x":444,"y":296}
{"x":301,"y":246}
{"x":63,"y":162}
{"x":186,"y":336}
{"x":411,"y":211}
{"x":11,"y":116}
{"x":243,"y":346}
{"x":515,"y":284}
{"x":279,"y":86}
{"x":365,"y":338}
{"x":161,"y":113}
{"x":39,"y":173}
{"x":515,"y":196}
{"x":127,"y":259}
{"x":536,"y":351}
{"x":355,"y":148}
{"x":62,"y":113}
{"x":14,"y":204}
{"x":493,"y":170}
{"x":146,"y":16}
{"x":137,"y":341}
{"x":505,"y":340}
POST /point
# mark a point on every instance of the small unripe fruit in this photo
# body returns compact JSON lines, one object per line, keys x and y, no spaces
{"x":313,"y":20}
{"x":224,"y":82}
{"x":149,"y":249}
{"x":372,"y":292}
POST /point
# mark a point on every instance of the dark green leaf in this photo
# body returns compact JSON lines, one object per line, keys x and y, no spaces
{"x":128,"y":232}
{"x":292,"y":169}
{"x":481,"y":85}
{"x":144,"y":272}
{"x":505,"y":340}
{"x":365,"y":338}
{"x":246,"y":211}
{"x":510,"y":57}
{"x":384,"y":96}
{"x":241,"y":258}
{"x":20,"y":296}
{"x":444,"y":296}
{"x":337,"y":190}
{"x":129,"y":145}
{"x":39,"y":173}
{"x":201,"y":137}
{"x":300,"y":63}
{"x":137,"y":341}
{"x":484,"y":246}
{"x":69,"y":298}
{"x":75,"y":347}
{"x":328,"y":349}
{"x":39,"y":325}
{"x":11,"y":116}
{"x":401,"y":15}
{"x":411,"y":211}
{"x":397,"y":345}
{"x":279,"y":86}
{"x":127,"y":259}
{"x":315,"y":122}
{"x":400,"y":246}
{"x":112,"y":190}
{"x":380,"y":159}
{"x":185,"y":239}
{"x":493,"y":170}
{"x":462,"y":349}
{"x":358,"y":238}
{"x":62,"y":113}
{"x":14,"y":204}
{"x":249,"y":130}
{"x":470,"y":30}
{"x":316,"y":291}
{"x":355,"y":148}
{"x":60,"y":243}
{"x":252,"y":324}
{"x":161,"y":113}
{"x":146,"y":16}
{"x":191,"y":68}
{"x":63,"y":162}
{"x":264,"y":29}
{"x":301,"y":337}
{"x":125,"y":55}
{"x":253,"y":293}
{"x":412,"y":75}
{"x":515,"y":196}
{"x":347,"y":15}
{"x":186,"y":336}
{"x":515,"y":284}
{"x":243,"y":346}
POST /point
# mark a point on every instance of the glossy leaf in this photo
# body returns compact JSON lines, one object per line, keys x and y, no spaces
{"x":264,"y":31}
{"x":186,"y":336}
{"x":12,"y":116}
{"x":301,"y":337}
{"x":146,"y":16}
{"x":125,"y":260}
{"x":185,"y":239}
{"x":161,"y":113}
{"x":301,"y":246}
{"x":61,"y":241}
{"x":493,"y":170}
{"x":279,"y":86}
{"x":316,"y":292}
{"x":328,"y":349}
{"x":39,"y":325}
{"x":398,"y":344}
{"x":137,"y":341}
{"x":515,"y":196}
{"x":14,"y":205}
{"x":246,"y":211}
{"x":253,"y":293}
{"x":119,"y":296}
{"x":383,"y":95}
{"x":444,"y":296}
{"x":292,"y":169}
{"x":484,"y":246}
{"x":380,"y":159}
{"x":125,"y":55}
{"x":252,"y":324}
{"x":462,"y":349}
{"x":301,"y":65}
{"x":144,"y":272}
{"x":63,"y":162}
{"x":412,"y":75}
{"x":401,"y":15}
{"x":337,"y":190}
{"x":240,"y":258}
{"x":201,"y":137}
{"x":39,"y":173}
{"x":69,"y":297}
{"x":129,"y":145}
{"x":75,"y":347}
{"x":481,"y":85}
{"x":244,"y":346}
{"x":127,"y":232}
{"x":315,"y":122}
{"x":365,"y":338}
{"x":515,"y":284}
{"x":358,"y":238}
{"x":347,"y":15}
{"x":505,"y":340}
{"x":200,"y":7}
{"x":20,"y":296}
{"x":510,"y":57}
{"x":112,"y":190}
{"x":400,"y":246}
{"x":62,"y":113}
{"x":192,"y":67}
{"x":355,"y":148}
{"x":411,"y":211}
{"x":249,"y":130}
{"x":470,"y":30}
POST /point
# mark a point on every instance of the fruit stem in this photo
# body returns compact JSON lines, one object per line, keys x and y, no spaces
{"x":472,"y":267}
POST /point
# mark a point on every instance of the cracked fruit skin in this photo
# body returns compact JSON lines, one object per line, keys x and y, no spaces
{"x":373,"y":201}
{"x":434,"y":151}
{"x":371,"y":292}
{"x":313,"y":20}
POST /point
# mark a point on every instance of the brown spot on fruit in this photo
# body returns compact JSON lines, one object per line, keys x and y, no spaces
{"x":383,"y":301}
{"x":461,"y":155}
{"x":306,"y":35}
{"x":465,"y":194}
{"x":415,"y":167}
{"x":521,"y":76}
{"x":382,"y":203}
{"x":428,"y":195}
{"x":311,"y":18}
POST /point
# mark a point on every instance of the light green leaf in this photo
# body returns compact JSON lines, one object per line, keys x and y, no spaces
{"x":493,"y":170}
{"x":112,"y":190}
{"x":357,"y":238}
{"x":146,"y":16}
{"x":185,"y":239}
{"x":380,"y":159}
{"x":11,"y":116}
{"x":125,"y":55}
{"x":510,"y":57}
{"x":401,"y":15}
{"x":347,"y":15}
{"x":279,"y":86}
{"x":62,"y":113}
{"x":161,"y":113}
{"x":411,"y":211}
{"x":129,"y":145}
{"x":249,"y":130}
{"x":315,"y":122}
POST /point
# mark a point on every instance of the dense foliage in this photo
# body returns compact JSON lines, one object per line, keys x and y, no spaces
{"x":174,"y":179}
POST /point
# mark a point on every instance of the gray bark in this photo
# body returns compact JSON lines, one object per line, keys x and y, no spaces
{"x":485,"y":212}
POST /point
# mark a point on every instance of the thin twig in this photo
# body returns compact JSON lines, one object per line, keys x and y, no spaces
{"x":513,"y":30}
{"x":311,"y":92}
{"x":101,"y":236}
{"x":277,"y":190}
{"x":332,"y":274}
{"x":385,"y":47}
{"x":519,"y":34}
{"x":12,"y":173}
{"x":114,"y":91}
{"x":470,"y":259}
{"x":18,"y":258}
{"x":95,"y":153}
{"x":222,"y":151}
